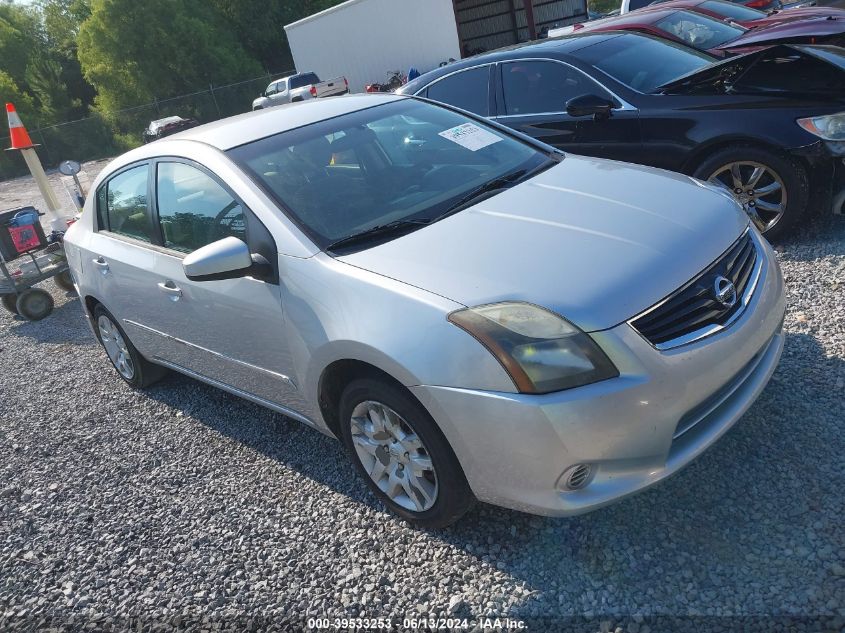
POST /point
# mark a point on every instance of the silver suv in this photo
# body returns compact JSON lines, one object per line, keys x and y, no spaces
{"x":475,"y":315}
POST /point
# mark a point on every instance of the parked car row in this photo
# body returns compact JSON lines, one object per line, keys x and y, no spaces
{"x":767,"y":126}
{"x":714,"y":25}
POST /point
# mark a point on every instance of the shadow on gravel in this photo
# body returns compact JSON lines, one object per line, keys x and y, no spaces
{"x":815,"y":239}
{"x":759,"y":498}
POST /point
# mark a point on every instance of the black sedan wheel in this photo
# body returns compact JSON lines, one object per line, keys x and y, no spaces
{"x":772,"y":189}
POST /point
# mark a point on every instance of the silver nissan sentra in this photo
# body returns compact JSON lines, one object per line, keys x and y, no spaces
{"x":475,"y":314}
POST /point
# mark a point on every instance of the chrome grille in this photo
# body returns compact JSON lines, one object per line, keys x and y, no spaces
{"x":696,"y":307}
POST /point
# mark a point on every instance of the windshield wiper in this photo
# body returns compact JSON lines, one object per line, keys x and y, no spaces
{"x":379,"y":230}
{"x":502,"y":182}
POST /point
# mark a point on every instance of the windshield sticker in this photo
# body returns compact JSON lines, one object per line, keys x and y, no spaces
{"x":470,"y":136}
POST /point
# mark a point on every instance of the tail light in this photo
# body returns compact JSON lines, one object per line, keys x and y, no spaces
{"x":345,"y":82}
{"x":313,"y":91}
{"x":757,"y":4}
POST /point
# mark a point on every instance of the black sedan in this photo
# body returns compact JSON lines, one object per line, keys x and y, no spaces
{"x":768,"y":126}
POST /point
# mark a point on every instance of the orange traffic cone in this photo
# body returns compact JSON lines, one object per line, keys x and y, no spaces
{"x":20,"y":137}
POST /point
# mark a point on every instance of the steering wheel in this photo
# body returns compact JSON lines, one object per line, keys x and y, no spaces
{"x":215,"y":230}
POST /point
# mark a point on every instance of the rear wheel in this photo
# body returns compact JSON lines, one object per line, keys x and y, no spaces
{"x":34,"y":304}
{"x":136,"y":370}
{"x":402,"y":455}
{"x":10,"y":303}
{"x":773,"y":189}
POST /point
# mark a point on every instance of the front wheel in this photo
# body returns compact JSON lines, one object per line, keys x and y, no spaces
{"x":402,"y":455}
{"x":773,"y":189}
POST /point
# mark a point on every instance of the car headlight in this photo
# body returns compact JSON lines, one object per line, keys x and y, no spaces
{"x":540,"y":350}
{"x":830,"y":127}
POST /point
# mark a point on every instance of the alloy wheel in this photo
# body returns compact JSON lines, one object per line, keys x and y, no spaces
{"x":758,"y":188}
{"x":116,"y":348}
{"x":394,"y":456}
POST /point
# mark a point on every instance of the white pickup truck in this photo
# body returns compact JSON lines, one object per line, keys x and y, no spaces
{"x":300,"y":87}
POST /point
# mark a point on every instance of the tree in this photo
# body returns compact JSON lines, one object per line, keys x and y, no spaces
{"x":260,"y":26}
{"x":134,"y":51}
{"x":10,"y":92}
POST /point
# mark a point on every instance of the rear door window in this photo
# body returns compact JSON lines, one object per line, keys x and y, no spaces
{"x":468,"y":89}
{"x":194,"y":209}
{"x":122,"y":204}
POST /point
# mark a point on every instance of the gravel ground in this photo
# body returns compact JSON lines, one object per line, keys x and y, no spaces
{"x":184,"y":507}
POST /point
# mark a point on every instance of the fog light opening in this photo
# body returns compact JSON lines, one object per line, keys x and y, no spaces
{"x":577,"y":477}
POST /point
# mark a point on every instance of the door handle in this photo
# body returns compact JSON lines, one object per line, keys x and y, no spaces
{"x":170,"y":289}
{"x":102,"y":264}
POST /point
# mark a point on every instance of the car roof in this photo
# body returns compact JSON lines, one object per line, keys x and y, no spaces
{"x":230,"y":132}
{"x":647,"y":15}
{"x":554,"y":46}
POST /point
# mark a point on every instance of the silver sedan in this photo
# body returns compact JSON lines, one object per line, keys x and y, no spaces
{"x":475,"y":314}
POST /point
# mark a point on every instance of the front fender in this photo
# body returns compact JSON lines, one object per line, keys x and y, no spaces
{"x":335,"y":311}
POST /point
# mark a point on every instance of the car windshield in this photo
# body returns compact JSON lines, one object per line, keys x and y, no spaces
{"x":402,"y":161}
{"x":697,"y":30}
{"x":731,"y":10}
{"x":303,"y":80}
{"x":643,"y":63}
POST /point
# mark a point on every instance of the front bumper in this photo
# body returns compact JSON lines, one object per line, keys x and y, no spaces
{"x":826,"y":168}
{"x":664,"y":409}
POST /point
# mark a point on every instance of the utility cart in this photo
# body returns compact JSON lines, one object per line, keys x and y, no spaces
{"x":28,"y":257}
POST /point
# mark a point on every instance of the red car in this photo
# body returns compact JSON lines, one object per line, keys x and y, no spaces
{"x":717,"y":36}
{"x":744,"y":15}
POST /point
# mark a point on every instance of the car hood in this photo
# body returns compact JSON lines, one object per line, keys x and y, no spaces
{"x":792,"y":15}
{"x":722,"y":75}
{"x":597,"y":241}
{"x":822,"y":26}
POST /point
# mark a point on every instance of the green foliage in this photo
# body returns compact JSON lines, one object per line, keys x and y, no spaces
{"x":11,"y":92}
{"x":259,"y":25}
{"x":87,"y":76}
{"x":134,"y":51}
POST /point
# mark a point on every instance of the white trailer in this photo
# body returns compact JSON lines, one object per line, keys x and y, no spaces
{"x":364,"y":40}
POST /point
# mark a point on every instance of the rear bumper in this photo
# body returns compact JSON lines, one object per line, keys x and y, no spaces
{"x":664,"y":410}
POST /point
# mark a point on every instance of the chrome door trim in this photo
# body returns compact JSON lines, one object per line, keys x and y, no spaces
{"x":625,"y":107}
{"x":240,"y":393}
{"x":286,"y":379}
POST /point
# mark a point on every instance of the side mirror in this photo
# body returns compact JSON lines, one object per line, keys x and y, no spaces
{"x":589,"y":105}
{"x":228,"y":258}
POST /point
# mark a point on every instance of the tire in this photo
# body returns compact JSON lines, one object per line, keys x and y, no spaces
{"x":133,"y":368}
{"x":792,"y":192}
{"x":432,"y":498}
{"x":64,"y":281}
{"x":10,"y":303}
{"x":34,"y":304}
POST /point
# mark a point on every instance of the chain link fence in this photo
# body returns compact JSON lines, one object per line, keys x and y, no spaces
{"x":100,"y":136}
